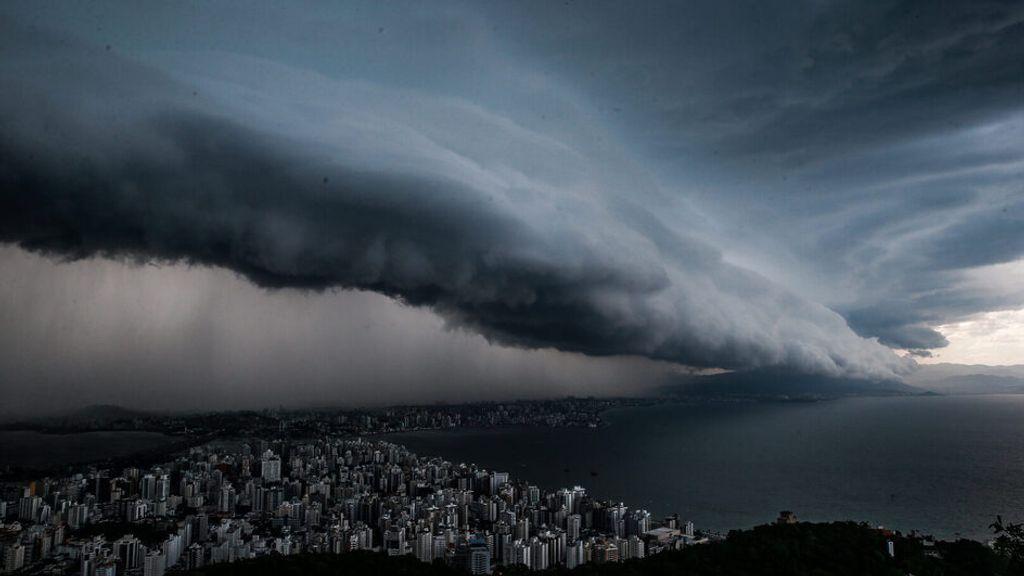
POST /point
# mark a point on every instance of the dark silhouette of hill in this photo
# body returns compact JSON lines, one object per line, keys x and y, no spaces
{"x":94,"y":417}
{"x":780,"y":384}
{"x":836,"y":549}
{"x":102,"y":412}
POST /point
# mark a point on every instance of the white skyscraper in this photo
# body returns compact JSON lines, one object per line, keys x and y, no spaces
{"x":271,"y":467}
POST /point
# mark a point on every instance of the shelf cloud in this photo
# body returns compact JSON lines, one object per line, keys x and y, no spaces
{"x":686,"y":186}
{"x":520,"y":238}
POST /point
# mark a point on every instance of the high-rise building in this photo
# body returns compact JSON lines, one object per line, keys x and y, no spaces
{"x":155,"y":564}
{"x":171,"y":549}
{"x":556,"y":547}
{"x":163,"y":487}
{"x":566,"y":498}
{"x":102,"y":487}
{"x":135,"y":510}
{"x":579,"y":493}
{"x":147,"y":487}
{"x":270,"y":468}
{"x":574,"y":554}
{"x":606,"y":552}
{"x":615,"y":519}
{"x":520,"y":553}
{"x":227,"y":499}
{"x":438,"y":546}
{"x":78,"y":516}
{"x":14,"y":557}
{"x":533,"y":494}
{"x":573,"y":526}
{"x":497,"y":480}
{"x":522,"y":531}
{"x":502,"y":541}
{"x":202,"y":527}
{"x":634,"y":548}
{"x":638,"y":522}
{"x":424,"y":550}
{"x":28,"y":508}
{"x":44,"y":543}
{"x":538,"y":554}
{"x":129,"y":550}
{"x":478,"y":558}
{"x":196,"y":556}
{"x":394,"y":542}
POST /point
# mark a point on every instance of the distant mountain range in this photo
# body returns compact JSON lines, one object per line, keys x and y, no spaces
{"x":96,"y":413}
{"x":102,"y":412}
{"x":785,"y":385}
{"x":951,"y":379}
{"x":968,"y":379}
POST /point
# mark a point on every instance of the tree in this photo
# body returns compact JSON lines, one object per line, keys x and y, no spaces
{"x":1009,"y":543}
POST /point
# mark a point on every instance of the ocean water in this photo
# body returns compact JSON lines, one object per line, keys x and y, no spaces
{"x":35,"y":449}
{"x":942,"y":465}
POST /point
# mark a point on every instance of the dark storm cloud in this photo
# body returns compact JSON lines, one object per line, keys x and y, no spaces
{"x":792,"y":81}
{"x":728,"y":184}
{"x":232,"y":198}
{"x":872,"y":73}
{"x":894,"y":328}
{"x":872,"y":149}
{"x":529,"y":239}
{"x":994,"y":236}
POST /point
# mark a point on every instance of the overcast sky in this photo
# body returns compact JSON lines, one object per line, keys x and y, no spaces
{"x":220,"y":204}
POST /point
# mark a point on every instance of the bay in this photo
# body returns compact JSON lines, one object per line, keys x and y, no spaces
{"x":944,"y":465}
{"x":39,"y":450}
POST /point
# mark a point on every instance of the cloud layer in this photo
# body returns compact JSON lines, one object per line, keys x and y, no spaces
{"x":866,"y":155}
{"x":800,"y":185}
{"x":537,"y":239}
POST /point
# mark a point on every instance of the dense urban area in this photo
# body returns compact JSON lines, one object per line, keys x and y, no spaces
{"x":320,"y":492}
{"x":230,"y":501}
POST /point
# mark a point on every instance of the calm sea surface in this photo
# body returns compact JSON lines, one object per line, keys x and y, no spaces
{"x":34,"y":449}
{"x":943,"y":465}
